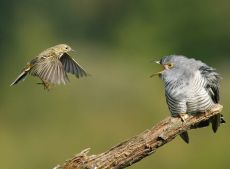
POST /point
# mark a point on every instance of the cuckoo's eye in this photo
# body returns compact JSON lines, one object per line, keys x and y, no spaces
{"x":170,"y":65}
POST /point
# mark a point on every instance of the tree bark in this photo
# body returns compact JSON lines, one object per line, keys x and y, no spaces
{"x":136,"y":148}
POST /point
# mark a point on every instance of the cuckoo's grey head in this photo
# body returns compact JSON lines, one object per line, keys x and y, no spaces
{"x":176,"y":67}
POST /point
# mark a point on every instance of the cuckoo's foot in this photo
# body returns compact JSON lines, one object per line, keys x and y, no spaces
{"x":184,"y":135}
{"x":183,"y":116}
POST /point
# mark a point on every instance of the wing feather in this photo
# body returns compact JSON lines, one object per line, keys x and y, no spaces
{"x":71,"y":66}
{"x":50,"y":70}
{"x":213,"y":82}
{"x":212,"y":87}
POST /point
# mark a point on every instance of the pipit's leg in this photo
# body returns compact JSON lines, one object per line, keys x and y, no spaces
{"x":45,"y":85}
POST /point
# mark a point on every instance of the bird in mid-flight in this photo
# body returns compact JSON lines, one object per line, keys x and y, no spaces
{"x":191,"y":87}
{"x":52,"y":66}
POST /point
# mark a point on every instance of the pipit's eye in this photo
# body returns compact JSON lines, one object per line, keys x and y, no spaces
{"x":170,"y":65}
{"x":66,"y":47}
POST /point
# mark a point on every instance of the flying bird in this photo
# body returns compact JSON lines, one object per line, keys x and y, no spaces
{"x":52,"y":66}
{"x":191,"y":87}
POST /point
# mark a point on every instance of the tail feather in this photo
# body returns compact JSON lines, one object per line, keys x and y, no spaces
{"x":185,"y":136}
{"x":216,"y":120}
{"x":222,"y":119}
{"x":20,"y":77}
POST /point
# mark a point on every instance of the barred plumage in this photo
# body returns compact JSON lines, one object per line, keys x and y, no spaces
{"x":190,"y":96}
{"x":190,"y":87}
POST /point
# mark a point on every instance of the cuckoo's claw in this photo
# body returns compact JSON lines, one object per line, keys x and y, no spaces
{"x":183,"y":116}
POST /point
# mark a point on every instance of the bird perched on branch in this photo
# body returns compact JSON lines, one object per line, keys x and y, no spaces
{"x":191,"y":87}
{"x":52,"y":66}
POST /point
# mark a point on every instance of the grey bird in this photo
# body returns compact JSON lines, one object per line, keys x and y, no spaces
{"x":52,"y":66}
{"x":191,"y":87}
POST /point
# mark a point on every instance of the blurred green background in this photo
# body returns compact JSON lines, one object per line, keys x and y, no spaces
{"x":115,"y":41}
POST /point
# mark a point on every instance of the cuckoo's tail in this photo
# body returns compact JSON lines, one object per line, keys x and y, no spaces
{"x":20,"y":77}
{"x":216,"y":121}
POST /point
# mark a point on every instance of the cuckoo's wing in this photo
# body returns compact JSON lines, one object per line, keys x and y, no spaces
{"x":213,"y":82}
{"x":71,"y":66}
{"x":50,"y":70}
{"x":212,"y":87}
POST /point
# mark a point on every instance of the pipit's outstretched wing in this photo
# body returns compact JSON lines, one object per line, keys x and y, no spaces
{"x":71,"y":66}
{"x":51,"y":70}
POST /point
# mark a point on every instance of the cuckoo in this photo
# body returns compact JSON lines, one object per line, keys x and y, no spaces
{"x":191,"y":87}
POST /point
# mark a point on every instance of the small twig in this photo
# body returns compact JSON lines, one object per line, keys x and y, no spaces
{"x":136,"y":148}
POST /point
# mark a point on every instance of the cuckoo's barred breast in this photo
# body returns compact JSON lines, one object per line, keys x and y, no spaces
{"x":188,"y":96}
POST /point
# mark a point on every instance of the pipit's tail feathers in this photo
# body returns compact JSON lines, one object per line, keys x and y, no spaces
{"x":20,"y":77}
{"x":185,"y":136}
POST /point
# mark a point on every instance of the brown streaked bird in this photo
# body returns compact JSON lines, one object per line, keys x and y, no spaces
{"x":52,"y":66}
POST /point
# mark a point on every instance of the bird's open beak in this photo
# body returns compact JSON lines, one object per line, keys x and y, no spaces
{"x":158,"y":73}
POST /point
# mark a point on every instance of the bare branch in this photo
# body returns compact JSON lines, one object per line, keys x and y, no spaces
{"x":136,"y":148}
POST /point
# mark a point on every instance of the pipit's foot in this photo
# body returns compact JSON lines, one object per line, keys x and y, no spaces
{"x":45,"y":85}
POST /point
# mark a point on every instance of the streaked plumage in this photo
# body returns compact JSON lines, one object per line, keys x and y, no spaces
{"x":191,"y":87}
{"x":51,"y":66}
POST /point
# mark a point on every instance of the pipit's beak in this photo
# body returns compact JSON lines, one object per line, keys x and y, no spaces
{"x":158,"y":73}
{"x":74,"y":51}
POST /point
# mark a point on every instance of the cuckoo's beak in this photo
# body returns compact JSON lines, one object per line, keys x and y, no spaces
{"x":158,"y":73}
